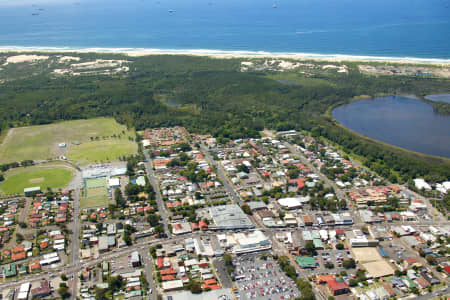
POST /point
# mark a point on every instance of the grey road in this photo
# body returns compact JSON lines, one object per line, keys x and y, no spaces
{"x":222,"y":273}
{"x":147,"y":261}
{"x":223,"y":177}
{"x":75,"y":250}
{"x":159,"y":200}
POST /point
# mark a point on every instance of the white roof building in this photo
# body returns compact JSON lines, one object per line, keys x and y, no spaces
{"x":24,"y":290}
{"x":422,"y":184}
{"x":172,"y":285}
{"x":114,"y":182}
{"x":290,"y":203}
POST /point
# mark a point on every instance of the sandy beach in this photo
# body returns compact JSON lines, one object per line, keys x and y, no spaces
{"x":223,"y":54}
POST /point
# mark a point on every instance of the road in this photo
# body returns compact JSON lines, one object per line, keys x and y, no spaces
{"x":75,"y":250}
{"x":223,"y":177}
{"x":222,"y":273}
{"x":147,"y":261}
{"x":159,"y":200}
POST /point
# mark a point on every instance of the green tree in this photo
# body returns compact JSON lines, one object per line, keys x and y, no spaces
{"x":63,"y":291}
{"x":431,"y":260}
{"x":246,"y":209}
{"x":153,"y":219}
{"x":349,"y":263}
{"x":309,"y":246}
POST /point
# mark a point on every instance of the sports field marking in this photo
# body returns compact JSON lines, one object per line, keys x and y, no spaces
{"x":36,"y":180}
{"x":45,"y":177}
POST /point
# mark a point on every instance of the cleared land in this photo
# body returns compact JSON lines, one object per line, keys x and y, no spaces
{"x":366,"y":254}
{"x":372,"y":262}
{"x":101,"y":151}
{"x":41,"y":142}
{"x":95,"y":193}
{"x":43,"y":176}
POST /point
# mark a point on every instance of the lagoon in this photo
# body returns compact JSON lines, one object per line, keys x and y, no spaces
{"x":405,"y":122}
{"x":439,"y":98}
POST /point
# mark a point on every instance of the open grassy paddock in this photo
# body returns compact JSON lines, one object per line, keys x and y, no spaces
{"x":45,"y":176}
{"x":101,"y":151}
{"x":101,"y":139}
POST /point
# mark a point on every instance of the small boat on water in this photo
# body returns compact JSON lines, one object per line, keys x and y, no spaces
{"x":172,"y":11}
{"x":35,"y":14}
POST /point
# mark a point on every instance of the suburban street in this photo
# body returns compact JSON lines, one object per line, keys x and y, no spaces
{"x":75,"y":228}
{"x":147,"y":263}
{"x":159,"y":200}
{"x":223,"y":177}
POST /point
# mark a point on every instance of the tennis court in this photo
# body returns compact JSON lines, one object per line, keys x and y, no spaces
{"x":96,"y":193}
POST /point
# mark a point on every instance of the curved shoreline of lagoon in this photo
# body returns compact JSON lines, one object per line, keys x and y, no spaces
{"x":402,"y":121}
{"x":443,"y":98}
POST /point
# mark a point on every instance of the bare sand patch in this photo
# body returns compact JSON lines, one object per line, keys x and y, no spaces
{"x":36,"y":180}
{"x":366,"y":254}
{"x":99,"y":63}
{"x":143,"y":195}
{"x":378,"y":269}
{"x":65,"y":59}
{"x":24,"y":58}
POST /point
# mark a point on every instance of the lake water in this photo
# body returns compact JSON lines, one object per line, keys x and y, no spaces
{"x":439,"y":98}
{"x":382,"y":28}
{"x":401,"y":121}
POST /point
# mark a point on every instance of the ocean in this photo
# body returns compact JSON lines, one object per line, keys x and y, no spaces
{"x":382,"y":28}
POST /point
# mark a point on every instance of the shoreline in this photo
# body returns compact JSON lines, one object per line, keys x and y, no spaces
{"x":136,"y":52}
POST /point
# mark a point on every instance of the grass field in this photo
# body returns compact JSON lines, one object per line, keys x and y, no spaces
{"x":101,"y":151}
{"x":96,"y":193}
{"x":45,"y":177}
{"x":95,"y":201}
{"x":41,"y":142}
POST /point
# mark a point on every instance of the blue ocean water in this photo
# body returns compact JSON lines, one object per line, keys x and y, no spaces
{"x":399,"y":28}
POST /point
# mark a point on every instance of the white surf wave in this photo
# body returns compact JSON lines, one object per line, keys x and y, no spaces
{"x":217,"y":52}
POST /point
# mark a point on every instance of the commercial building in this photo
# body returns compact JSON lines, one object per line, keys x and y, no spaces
{"x":114,"y":183}
{"x":290,"y":203}
{"x":229,"y":217}
{"x":43,"y":291}
{"x":422,"y":184}
{"x":337,"y":287}
{"x":31,"y":191}
{"x":240,"y":243}
{"x":24,"y":291}
{"x":103,"y":243}
{"x":172,"y":285}
{"x":305,"y":262}
{"x":135,"y":259}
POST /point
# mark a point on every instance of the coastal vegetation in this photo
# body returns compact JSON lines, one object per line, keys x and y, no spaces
{"x":215,"y":96}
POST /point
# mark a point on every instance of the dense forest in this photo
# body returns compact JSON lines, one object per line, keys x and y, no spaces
{"x":214,"y":96}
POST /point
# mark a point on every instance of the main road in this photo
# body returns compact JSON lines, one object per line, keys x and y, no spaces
{"x":75,"y":249}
